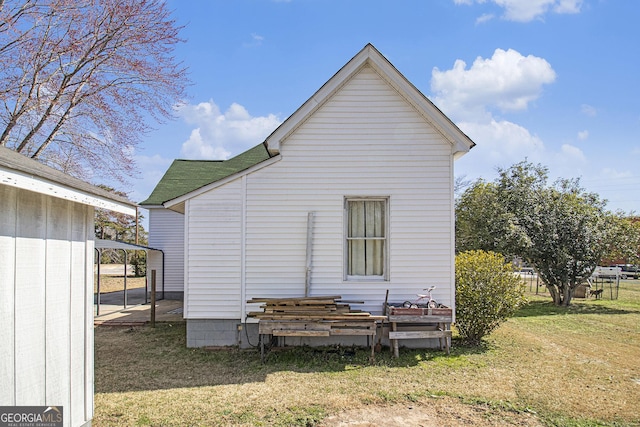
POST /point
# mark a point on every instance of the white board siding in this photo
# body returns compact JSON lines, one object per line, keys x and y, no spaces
{"x":58,"y":294}
{"x":214,"y":262}
{"x":8,"y":217}
{"x":46,"y":276}
{"x":168,"y":236}
{"x":365,"y":141}
{"x":30,"y":292}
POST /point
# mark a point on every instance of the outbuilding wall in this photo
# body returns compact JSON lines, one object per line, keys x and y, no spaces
{"x":46,"y":303}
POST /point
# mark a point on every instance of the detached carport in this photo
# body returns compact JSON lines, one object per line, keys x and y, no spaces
{"x":101,"y":245}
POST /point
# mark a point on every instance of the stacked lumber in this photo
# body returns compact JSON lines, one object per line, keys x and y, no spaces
{"x":308,"y":308}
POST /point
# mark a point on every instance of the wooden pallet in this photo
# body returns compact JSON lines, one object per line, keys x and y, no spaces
{"x":312,"y":308}
{"x":320,"y":316}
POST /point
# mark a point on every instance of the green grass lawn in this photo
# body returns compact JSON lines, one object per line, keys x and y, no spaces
{"x":547,"y":366}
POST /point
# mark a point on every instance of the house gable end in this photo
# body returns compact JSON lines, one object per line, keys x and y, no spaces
{"x":369,"y":55}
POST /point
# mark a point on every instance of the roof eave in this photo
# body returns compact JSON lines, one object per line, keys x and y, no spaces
{"x":19,"y":171}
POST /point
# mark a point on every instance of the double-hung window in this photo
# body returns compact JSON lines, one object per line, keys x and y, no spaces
{"x":366,"y":243}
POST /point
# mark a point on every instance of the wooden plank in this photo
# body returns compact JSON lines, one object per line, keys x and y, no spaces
{"x":267,"y":328}
{"x":343,"y":332}
{"x":358,"y":324}
{"x":419,"y":319}
{"x":285,"y":308}
{"x":346,"y":316}
{"x":331,"y":298}
{"x":299,"y":333}
{"x":401,"y":335}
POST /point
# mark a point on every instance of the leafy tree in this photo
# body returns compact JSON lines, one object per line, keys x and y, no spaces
{"x":623,"y":244}
{"x":479,"y":219}
{"x":78,"y":78}
{"x":568,"y":231}
{"x":560,"y":229}
{"x":110,"y":225}
{"x":487,"y":293}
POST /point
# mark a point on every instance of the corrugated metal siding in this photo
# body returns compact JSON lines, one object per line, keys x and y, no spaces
{"x":365,"y":141}
{"x":167,"y":234}
{"x":214,"y":234}
{"x":46,"y":302}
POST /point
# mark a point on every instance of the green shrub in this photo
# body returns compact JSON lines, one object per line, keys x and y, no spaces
{"x":487,"y":293}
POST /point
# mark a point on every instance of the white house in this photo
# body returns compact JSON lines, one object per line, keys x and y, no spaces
{"x":46,"y":286}
{"x":352,"y":195}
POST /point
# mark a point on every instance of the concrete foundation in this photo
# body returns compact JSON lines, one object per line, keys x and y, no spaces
{"x":230,"y":333}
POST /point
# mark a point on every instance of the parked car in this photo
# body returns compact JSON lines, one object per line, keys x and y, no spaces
{"x":629,"y":271}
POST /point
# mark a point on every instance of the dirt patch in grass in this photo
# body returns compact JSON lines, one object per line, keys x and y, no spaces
{"x":435,"y":413}
{"x":116,"y":283}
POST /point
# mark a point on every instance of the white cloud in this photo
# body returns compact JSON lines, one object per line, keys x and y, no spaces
{"x":582,"y":135}
{"x":567,"y":6}
{"x":508,"y":80}
{"x":219,"y":135}
{"x":588,"y":110}
{"x":485,"y":17}
{"x":571,"y":154}
{"x":256,"y":40}
{"x":502,"y":142}
{"x":528,"y":10}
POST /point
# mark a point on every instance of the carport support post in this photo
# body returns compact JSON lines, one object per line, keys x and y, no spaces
{"x":124,"y":251}
{"x":153,"y":298}
{"x":98,"y":280}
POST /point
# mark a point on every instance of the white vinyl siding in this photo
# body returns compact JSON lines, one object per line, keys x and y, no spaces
{"x":168,"y":236}
{"x":365,"y":141}
{"x":214,"y":232}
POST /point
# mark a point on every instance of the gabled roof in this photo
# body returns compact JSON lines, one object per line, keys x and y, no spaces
{"x":17,"y":170}
{"x":185,"y":176}
{"x":369,"y":55}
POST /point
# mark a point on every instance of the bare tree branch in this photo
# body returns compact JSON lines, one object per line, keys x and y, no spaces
{"x":80,"y":78}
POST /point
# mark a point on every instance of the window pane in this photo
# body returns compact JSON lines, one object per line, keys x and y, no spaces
{"x":366,"y":218}
{"x":366,"y":237}
{"x":357,"y":266}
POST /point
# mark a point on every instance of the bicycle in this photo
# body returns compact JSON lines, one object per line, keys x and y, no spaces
{"x":431,"y":303}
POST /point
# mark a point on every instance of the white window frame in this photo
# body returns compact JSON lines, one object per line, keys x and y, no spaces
{"x":385,"y":262}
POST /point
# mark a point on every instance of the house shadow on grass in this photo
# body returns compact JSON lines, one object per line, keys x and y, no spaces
{"x":547,"y":308}
{"x":148,"y":359}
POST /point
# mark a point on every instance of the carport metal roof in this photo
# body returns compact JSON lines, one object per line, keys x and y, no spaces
{"x":116,"y":244}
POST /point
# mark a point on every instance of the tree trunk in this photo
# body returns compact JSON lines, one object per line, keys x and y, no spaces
{"x":555,"y":294}
{"x":566,"y":296}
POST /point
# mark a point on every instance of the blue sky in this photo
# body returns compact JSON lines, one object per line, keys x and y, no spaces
{"x":556,"y":82}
